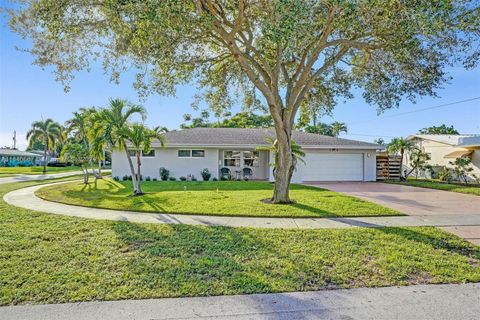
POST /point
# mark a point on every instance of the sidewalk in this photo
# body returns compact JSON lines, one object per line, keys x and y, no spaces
{"x":413,"y":302}
{"x":25,"y":198}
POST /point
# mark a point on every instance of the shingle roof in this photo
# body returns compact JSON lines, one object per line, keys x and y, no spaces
{"x":16,"y":153}
{"x":254,"y":137}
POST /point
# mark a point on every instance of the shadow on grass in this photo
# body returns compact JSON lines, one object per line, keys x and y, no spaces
{"x":198,"y":260}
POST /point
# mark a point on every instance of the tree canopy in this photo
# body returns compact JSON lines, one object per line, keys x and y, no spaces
{"x":239,"y":120}
{"x":442,"y":129}
{"x":260,"y":52}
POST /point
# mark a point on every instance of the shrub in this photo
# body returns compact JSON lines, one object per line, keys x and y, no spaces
{"x":125,"y":178}
{"x":130,"y":178}
{"x":154,"y":179}
{"x":193,"y":178}
{"x":148,"y":179}
{"x":214,"y":179}
{"x":172,"y":179}
{"x":223,"y":178}
{"x":445,"y":175}
{"x":245,"y":178}
{"x":205,"y":174}
{"x":164,"y":174}
{"x":116,"y":178}
{"x":182,"y":178}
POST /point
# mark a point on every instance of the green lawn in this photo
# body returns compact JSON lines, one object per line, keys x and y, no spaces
{"x":9,"y":171}
{"x":235,"y":198}
{"x":50,"y":259}
{"x":475,"y":190}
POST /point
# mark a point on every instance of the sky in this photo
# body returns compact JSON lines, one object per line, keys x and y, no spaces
{"x":28,"y":93}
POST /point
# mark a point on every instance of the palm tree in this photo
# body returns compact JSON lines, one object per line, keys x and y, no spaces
{"x":47,"y":132}
{"x":111,"y":123}
{"x":338,"y":127}
{"x":140,"y":140}
{"x":78,"y":125}
{"x":400,"y":145}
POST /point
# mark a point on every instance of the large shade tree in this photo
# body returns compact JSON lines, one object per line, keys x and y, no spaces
{"x":277,"y":49}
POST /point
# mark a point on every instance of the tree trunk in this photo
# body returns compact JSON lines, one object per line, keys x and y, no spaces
{"x":85,"y":175}
{"x":139,"y":174}
{"x":45,"y":156}
{"x":100,"y":170}
{"x":132,"y":171}
{"x":284,"y":166}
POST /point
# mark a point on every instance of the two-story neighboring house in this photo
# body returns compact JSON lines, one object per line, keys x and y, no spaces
{"x":444,"y":148}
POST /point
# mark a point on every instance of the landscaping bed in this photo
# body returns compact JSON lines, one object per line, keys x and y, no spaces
{"x":228,"y":198}
{"x":432,"y":184}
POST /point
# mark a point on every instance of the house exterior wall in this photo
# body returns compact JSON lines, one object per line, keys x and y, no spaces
{"x":438,"y":150}
{"x":168,"y":158}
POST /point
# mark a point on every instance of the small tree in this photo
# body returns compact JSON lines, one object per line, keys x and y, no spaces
{"x":379,"y":141}
{"x":139,"y":139}
{"x":418,"y":161}
{"x":78,"y":154}
{"x":399,"y":145}
{"x":461,"y":168}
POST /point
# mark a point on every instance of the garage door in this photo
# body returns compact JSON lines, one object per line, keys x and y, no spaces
{"x":333,"y":167}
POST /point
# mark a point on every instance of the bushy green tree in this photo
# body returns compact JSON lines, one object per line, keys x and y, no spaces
{"x":278,"y":49}
{"x":462,"y":168}
{"x":442,"y":129}
{"x":78,"y":154}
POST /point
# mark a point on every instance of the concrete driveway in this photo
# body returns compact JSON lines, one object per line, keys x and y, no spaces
{"x":409,"y":200}
{"x":416,"y":201}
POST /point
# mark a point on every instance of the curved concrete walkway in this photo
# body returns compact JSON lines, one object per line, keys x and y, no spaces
{"x":46,"y":176}
{"x":25,"y":198}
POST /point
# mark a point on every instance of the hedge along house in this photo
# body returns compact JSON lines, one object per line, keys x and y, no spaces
{"x":233,"y":150}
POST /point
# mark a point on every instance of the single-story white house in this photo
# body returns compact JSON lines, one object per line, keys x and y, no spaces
{"x":444,"y":148}
{"x":189,"y":151}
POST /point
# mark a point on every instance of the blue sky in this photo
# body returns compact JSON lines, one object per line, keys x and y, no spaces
{"x":28,"y":93}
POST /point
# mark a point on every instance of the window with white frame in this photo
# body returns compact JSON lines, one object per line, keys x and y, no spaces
{"x":251,"y":158}
{"x":232,"y":158}
{"x":198,"y":153}
{"x":184,"y":153}
{"x":191,"y":153}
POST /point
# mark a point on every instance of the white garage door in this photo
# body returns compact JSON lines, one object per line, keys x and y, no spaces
{"x":333,"y":167}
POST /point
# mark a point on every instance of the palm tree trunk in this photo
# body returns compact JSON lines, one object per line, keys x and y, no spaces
{"x":132,"y":172}
{"x":45,"y":141}
{"x":139,"y":174}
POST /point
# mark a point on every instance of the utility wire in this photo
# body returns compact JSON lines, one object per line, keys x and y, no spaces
{"x":419,"y":110}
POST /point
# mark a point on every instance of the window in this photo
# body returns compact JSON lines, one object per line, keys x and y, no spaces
{"x":198,"y":153}
{"x":184,"y":153}
{"x":148,"y":154}
{"x":251,"y":158}
{"x":231,"y":158}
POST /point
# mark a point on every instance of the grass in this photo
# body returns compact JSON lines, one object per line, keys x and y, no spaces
{"x":52,"y":259}
{"x":10,"y":171}
{"x":475,"y":190}
{"x":228,"y":198}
